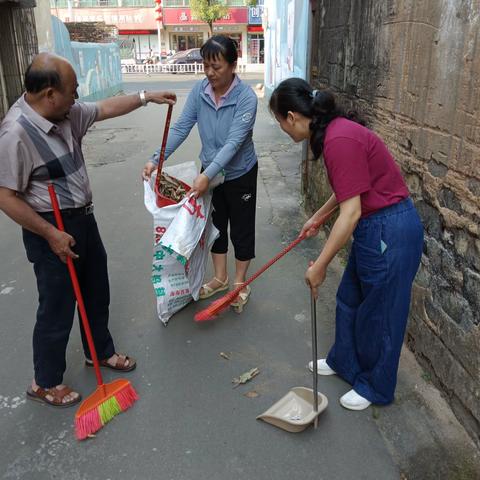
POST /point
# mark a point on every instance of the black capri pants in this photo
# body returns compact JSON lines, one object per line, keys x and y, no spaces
{"x":235,"y":202}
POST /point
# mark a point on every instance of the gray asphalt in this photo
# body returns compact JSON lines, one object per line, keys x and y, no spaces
{"x":189,"y":422}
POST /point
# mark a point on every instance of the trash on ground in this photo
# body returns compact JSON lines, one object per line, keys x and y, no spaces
{"x":224,"y":355}
{"x":245,"y":377}
{"x":252,"y":394}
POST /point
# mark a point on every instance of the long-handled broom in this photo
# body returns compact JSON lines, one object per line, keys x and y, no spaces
{"x":109,"y":399}
{"x":220,"y":305}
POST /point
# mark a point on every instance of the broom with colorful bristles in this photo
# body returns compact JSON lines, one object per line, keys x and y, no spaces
{"x":109,"y":399}
{"x":220,"y":305}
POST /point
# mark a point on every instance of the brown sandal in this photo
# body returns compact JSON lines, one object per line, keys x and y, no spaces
{"x":119,"y":365}
{"x":40,"y":395}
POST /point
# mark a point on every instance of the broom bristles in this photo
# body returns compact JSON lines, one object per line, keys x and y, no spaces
{"x":93,"y":420}
{"x":216,"y":308}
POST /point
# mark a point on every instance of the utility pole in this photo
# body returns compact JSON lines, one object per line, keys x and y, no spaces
{"x":159,"y":20}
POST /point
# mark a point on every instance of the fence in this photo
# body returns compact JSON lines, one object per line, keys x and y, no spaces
{"x":97,"y":65}
{"x":194,"y":68}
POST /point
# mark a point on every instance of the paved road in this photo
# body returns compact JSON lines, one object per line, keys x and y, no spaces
{"x":190,"y":424}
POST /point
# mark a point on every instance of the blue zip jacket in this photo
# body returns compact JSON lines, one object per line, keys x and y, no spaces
{"x":226,"y":133}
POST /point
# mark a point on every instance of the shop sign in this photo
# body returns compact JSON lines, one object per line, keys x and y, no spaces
{"x":227,"y":28}
{"x":124,"y":18}
{"x":181,"y":16}
{"x":255,"y":13}
{"x":185,"y":29}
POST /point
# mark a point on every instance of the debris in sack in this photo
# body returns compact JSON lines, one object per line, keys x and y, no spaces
{"x":252,"y":394}
{"x":224,"y":355}
{"x":245,"y":377}
{"x":171,"y":188}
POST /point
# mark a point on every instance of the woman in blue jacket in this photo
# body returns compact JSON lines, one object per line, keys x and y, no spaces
{"x":224,"y":109}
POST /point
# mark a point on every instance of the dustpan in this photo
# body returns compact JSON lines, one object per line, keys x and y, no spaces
{"x":301,"y":406}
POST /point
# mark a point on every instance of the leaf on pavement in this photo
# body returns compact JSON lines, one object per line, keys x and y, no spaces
{"x":224,"y":355}
{"x":251,"y":394}
{"x":245,"y":377}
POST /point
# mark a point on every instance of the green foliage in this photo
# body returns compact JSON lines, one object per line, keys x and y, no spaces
{"x":208,"y":11}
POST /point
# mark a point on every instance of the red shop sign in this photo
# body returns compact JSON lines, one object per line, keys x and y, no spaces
{"x":183,"y":16}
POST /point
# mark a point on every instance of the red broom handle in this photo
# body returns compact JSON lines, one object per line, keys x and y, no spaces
{"x":321,"y":221}
{"x":161,"y":158}
{"x":76,"y":288}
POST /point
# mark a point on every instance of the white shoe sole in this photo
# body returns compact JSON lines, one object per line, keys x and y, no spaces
{"x":362,"y":406}
{"x":320,"y":371}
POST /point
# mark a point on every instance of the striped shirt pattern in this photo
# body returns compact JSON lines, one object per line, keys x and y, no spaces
{"x":35,"y":152}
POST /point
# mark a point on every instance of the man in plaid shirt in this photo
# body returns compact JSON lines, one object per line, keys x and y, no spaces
{"x":40,"y":143}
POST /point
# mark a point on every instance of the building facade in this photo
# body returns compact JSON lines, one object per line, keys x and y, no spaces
{"x":137,"y":29}
{"x":18,"y":46}
{"x":286,"y":26}
{"x":255,"y":36}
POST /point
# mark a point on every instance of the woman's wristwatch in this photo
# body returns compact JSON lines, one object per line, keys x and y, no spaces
{"x":143,"y":99}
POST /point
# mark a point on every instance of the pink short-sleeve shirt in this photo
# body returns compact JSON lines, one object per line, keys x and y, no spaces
{"x":359,"y":163}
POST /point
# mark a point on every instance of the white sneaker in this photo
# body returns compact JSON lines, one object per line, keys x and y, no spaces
{"x":322,"y":367}
{"x":353,"y":401}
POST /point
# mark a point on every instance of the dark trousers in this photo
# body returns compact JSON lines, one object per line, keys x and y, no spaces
{"x":234,"y":203}
{"x":373,"y":300}
{"x":57,"y":301}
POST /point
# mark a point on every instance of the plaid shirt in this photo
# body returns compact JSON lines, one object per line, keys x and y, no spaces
{"x":35,"y":152}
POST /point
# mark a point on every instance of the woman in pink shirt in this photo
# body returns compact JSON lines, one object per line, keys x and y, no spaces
{"x":373,"y":298}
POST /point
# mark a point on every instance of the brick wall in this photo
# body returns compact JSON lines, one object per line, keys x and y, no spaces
{"x":94,"y":32}
{"x":413,"y":68}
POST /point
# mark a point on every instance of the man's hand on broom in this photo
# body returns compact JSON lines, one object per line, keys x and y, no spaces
{"x":61,"y":243}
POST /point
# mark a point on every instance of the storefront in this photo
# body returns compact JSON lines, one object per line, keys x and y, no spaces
{"x":183,"y":32}
{"x":255,"y":37}
{"x":185,"y":40}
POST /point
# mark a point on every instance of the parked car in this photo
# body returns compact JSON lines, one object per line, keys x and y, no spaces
{"x":186,"y":56}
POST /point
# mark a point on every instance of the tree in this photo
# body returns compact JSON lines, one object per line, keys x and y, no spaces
{"x":208,"y":11}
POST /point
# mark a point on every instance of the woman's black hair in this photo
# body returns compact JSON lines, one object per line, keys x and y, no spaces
{"x":36,"y":79}
{"x":296,"y":95}
{"x":220,"y":45}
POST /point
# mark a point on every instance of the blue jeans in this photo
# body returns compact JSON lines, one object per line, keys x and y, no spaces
{"x":373,"y":300}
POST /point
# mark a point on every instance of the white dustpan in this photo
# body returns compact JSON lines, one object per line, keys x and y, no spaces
{"x":301,"y":406}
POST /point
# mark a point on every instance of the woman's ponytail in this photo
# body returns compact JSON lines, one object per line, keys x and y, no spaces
{"x":324,"y":110}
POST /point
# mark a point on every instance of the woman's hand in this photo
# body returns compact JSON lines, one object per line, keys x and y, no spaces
{"x":311,"y":228}
{"x":200,"y":185}
{"x":147,"y":171}
{"x":315,"y":276}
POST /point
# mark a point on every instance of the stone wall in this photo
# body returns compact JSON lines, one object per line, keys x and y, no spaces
{"x":413,"y":69}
